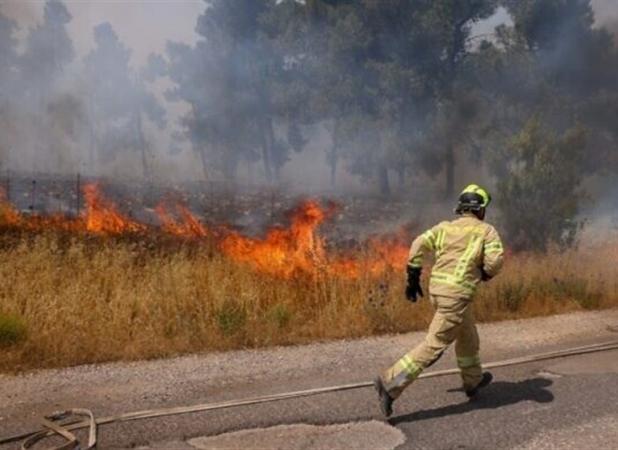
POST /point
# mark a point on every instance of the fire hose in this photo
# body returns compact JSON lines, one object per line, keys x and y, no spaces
{"x":63,"y":423}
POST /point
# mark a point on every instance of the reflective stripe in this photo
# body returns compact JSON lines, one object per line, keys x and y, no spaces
{"x":464,"y":262}
{"x":440,"y":242}
{"x":445,"y":278}
{"x":465,"y":362}
{"x":416,"y":262}
{"x":429,"y":235}
{"x":411,"y":369}
{"x":459,"y":277}
{"x":429,"y":239}
{"x":493,"y":247}
{"x":474,"y":188}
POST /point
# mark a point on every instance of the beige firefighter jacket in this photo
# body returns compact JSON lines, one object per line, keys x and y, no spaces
{"x":463,"y":248}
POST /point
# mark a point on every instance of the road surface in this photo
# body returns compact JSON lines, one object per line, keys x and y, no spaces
{"x":570,"y":403}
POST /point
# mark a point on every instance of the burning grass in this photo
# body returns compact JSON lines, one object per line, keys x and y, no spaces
{"x":77,"y":294}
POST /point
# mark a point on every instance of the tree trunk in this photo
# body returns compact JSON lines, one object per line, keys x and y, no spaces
{"x":93,"y":151}
{"x":202,"y":152}
{"x":401,"y":174}
{"x":93,"y":137}
{"x":383,"y":182}
{"x":142,"y":144}
{"x":267,"y":138}
{"x":333,"y":167}
{"x":274,"y":166}
{"x":333,"y":157}
{"x":250,"y":175}
{"x":449,"y":169}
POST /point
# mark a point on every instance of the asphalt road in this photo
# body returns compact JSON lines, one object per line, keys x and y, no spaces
{"x":568,"y":403}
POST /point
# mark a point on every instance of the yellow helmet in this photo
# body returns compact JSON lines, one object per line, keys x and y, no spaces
{"x":473,"y":198}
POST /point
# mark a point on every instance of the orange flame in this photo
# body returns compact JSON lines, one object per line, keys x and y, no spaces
{"x":102,"y":215}
{"x":8,"y":214}
{"x":391,"y":251}
{"x":187,"y":226}
{"x":284,"y":251}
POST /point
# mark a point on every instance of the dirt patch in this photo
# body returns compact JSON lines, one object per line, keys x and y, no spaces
{"x":588,"y":364}
{"x":371,"y":435}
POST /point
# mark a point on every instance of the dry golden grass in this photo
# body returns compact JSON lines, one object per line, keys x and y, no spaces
{"x":68,"y":300}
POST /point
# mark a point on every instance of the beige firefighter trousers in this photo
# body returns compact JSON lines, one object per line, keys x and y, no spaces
{"x":453,"y":321}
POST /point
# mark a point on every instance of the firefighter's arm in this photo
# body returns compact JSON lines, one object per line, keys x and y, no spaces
{"x":493,"y":254}
{"x":422,"y":245}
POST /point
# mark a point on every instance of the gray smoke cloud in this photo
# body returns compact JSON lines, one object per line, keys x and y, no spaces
{"x":49,"y":129}
{"x":56,"y":135}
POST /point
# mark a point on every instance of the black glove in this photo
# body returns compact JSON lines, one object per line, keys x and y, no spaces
{"x":485,"y":276}
{"x":413,"y":286}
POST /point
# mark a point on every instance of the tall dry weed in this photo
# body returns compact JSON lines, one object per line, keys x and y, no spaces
{"x":85,"y":299}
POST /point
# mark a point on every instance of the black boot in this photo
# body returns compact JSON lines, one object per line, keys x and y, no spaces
{"x":485,"y":380}
{"x":386,"y":401}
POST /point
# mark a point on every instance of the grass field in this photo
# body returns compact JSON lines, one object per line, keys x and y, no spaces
{"x":70,"y":298}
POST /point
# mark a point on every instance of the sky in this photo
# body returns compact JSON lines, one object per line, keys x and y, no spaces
{"x":143,"y":25}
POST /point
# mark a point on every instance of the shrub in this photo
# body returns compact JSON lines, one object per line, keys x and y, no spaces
{"x":12,"y":330}
{"x":280,"y":315}
{"x":231,"y":317}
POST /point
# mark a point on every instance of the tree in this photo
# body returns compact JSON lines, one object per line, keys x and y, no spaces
{"x":8,"y":77}
{"x":577,"y":64}
{"x":540,"y":198}
{"x":118,"y":101}
{"x":318,"y":93}
{"x":449,"y":24}
{"x":8,"y":58}
{"x":48,"y":50}
{"x":232,"y":79}
{"x":359,"y":63}
{"x":384,"y":73}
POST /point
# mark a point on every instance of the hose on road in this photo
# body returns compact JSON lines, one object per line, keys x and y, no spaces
{"x":62,"y":423}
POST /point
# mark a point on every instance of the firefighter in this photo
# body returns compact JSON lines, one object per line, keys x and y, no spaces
{"x":467,"y":251}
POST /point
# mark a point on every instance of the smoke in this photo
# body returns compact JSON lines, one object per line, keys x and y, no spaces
{"x":46,"y":105}
{"x":606,"y":14}
{"x":67,"y":117}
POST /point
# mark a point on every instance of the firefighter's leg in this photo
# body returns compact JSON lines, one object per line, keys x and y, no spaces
{"x":442,"y":332}
{"x":467,"y":351}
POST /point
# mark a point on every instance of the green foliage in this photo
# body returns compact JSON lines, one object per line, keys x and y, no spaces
{"x":540,"y":197}
{"x":236,"y":81}
{"x":280,"y":315}
{"x":407,"y":88}
{"x":230,"y":318}
{"x":12,"y":330}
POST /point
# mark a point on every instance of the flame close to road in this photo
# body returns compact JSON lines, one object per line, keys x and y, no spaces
{"x":283,"y":252}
